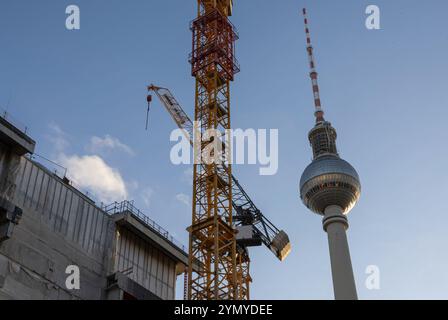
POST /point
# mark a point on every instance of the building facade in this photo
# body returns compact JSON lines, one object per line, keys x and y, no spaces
{"x":47,"y":226}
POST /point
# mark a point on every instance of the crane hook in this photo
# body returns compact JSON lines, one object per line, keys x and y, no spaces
{"x":148,"y":99}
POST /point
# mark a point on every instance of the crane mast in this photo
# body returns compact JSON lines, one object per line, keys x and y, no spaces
{"x":212,"y":240}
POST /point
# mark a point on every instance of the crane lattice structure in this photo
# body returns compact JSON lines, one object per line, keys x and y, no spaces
{"x":212,"y":236}
{"x":225,"y":222}
{"x":246,"y":216}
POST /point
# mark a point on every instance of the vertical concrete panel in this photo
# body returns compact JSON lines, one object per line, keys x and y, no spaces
{"x":172,"y":280}
{"x":122,"y":250}
{"x":173,"y":277}
{"x":93,"y":240}
{"x":21,"y":174}
{"x":166,"y":271}
{"x":153,"y":285}
{"x":104,"y":231}
{"x":82,"y":211}
{"x":141,"y":257}
{"x":170,"y":276}
{"x":133,"y":256}
{"x":30,"y":186}
{"x":42,"y":191}
{"x":3,"y":155}
{"x":34,"y":195}
{"x":98,"y":232}
{"x":55,"y":201}
{"x":145,"y":267}
{"x":166,"y":268}
{"x":71,"y":219}
{"x":24,"y":183}
{"x":48,"y":198}
{"x":18,"y":182}
{"x":60,"y":209}
{"x":78,"y":221}
{"x":66,"y":212}
{"x":119,"y":250}
{"x":127,"y":252}
{"x":162,"y":276}
{"x":82,"y":223}
{"x":136,"y":258}
{"x":151,"y":265}
{"x":159,"y":274}
{"x":86,"y":225}
{"x":90,"y":235}
{"x":21,"y":177}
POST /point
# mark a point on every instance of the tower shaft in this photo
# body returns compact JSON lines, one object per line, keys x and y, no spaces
{"x":336,"y":224}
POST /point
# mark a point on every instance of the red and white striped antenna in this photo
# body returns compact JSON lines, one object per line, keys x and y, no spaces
{"x":313,"y":74}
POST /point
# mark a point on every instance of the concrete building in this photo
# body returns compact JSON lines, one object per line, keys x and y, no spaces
{"x":47,"y":225}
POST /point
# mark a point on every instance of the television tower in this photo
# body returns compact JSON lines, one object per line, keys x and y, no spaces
{"x":330,"y":187}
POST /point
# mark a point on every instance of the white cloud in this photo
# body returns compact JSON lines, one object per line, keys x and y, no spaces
{"x":58,"y":138}
{"x":132,"y":186}
{"x":146,"y":196}
{"x":89,"y":172}
{"x":183,"y":198}
{"x":188,"y":175}
{"x":99,"y":145}
{"x":95,"y":175}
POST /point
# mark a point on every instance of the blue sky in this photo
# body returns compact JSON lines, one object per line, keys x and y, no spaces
{"x":384,"y":91}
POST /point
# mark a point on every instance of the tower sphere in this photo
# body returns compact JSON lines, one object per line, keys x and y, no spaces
{"x":327,"y":181}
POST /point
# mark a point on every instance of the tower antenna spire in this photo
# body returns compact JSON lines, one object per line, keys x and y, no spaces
{"x":319,"y":114}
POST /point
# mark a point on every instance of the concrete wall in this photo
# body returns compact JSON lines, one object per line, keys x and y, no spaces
{"x":145,"y":264}
{"x":60,"y":227}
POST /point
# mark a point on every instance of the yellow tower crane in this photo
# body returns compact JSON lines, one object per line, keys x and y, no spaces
{"x":253,"y":228}
{"x":225,"y":222}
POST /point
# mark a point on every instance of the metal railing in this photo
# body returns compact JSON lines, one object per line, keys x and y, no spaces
{"x":60,"y":172}
{"x":128,"y":206}
{"x":16,"y":123}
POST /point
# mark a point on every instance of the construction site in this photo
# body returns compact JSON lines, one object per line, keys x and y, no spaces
{"x":48,"y":224}
{"x":114,"y":220}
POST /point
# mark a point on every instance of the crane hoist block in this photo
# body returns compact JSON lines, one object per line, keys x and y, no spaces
{"x":246,"y":236}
